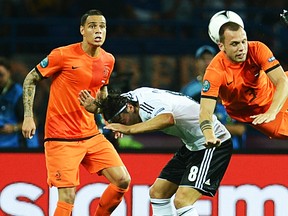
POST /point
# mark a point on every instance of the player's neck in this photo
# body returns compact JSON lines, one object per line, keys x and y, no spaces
{"x":92,"y":51}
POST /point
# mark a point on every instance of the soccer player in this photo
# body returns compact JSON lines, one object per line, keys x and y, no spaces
{"x":71,"y":135}
{"x":250,"y":82}
{"x":196,"y":168}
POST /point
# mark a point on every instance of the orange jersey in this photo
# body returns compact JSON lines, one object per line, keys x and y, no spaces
{"x":72,"y":70}
{"x":245,"y":89}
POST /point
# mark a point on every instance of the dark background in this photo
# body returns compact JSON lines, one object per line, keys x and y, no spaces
{"x":153,"y":41}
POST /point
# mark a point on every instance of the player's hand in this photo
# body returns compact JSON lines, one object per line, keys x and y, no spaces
{"x":115,"y":127}
{"x":263,"y":118}
{"x":118,"y":135}
{"x":87,"y":101}
{"x":28,"y":127}
{"x":213,"y":143}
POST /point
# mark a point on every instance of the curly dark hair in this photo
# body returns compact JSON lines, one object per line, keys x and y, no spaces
{"x":111,"y":106}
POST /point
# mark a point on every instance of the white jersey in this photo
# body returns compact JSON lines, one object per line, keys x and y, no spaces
{"x":153,"y":102}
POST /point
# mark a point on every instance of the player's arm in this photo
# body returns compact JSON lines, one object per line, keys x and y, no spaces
{"x":103,"y":93}
{"x":159,"y":122}
{"x":29,"y":89}
{"x":207,"y":107}
{"x":90,"y":103}
{"x":280,"y":80}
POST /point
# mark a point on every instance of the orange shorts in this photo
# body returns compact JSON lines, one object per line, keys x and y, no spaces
{"x":277,"y":128}
{"x":63,"y":159}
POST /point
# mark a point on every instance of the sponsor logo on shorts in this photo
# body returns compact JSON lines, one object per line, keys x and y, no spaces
{"x":207,"y":182}
{"x":58,"y":176}
{"x":206,"y":86}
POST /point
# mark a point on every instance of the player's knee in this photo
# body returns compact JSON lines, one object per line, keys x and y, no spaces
{"x":183,"y":199}
{"x":124,"y":181}
{"x":67,"y":195}
{"x":154,"y":193}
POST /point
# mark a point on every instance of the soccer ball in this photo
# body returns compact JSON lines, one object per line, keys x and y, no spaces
{"x":219,"y":19}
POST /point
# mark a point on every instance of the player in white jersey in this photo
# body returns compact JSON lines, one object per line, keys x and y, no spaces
{"x":196,"y":169}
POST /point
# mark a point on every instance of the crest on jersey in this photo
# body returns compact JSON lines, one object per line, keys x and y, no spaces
{"x":206,"y":86}
{"x":44,"y":62}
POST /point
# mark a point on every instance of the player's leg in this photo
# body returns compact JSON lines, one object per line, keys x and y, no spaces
{"x":160,"y":197}
{"x":65,"y":202}
{"x":119,"y":179}
{"x":184,"y":201}
{"x":104,"y":160}
{"x":62,"y":162}
{"x":203,"y":175}
{"x":167,"y":184}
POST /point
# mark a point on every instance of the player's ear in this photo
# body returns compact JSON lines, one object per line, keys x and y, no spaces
{"x":130,"y":107}
{"x":81,"y":30}
{"x":221,"y":46}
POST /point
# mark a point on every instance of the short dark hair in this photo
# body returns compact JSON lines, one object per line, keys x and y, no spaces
{"x":90,"y":13}
{"x":229,"y":25}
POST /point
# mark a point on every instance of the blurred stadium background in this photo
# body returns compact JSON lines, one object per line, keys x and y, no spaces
{"x":153,"y":41}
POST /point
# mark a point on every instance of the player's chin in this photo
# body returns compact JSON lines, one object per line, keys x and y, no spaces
{"x":97,"y":43}
{"x":240,"y":60}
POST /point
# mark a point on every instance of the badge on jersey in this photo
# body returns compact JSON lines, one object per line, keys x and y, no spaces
{"x":271,"y":59}
{"x":206,"y":86}
{"x":44,"y":62}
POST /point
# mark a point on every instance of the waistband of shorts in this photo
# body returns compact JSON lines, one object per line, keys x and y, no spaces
{"x":68,"y":139}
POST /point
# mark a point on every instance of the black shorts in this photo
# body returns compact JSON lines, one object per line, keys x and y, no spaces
{"x":202,"y":170}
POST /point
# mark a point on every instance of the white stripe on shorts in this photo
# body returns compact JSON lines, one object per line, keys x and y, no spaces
{"x":204,"y":167}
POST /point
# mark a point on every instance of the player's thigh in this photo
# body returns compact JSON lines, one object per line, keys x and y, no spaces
{"x":186,"y":196}
{"x":206,"y":168}
{"x":101,"y":154}
{"x":62,"y":162}
{"x":118,"y":176}
{"x":162,"y":189}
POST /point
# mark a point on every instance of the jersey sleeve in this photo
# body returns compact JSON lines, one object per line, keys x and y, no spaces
{"x":265,"y":57}
{"x":51,"y":64}
{"x":212,"y":81}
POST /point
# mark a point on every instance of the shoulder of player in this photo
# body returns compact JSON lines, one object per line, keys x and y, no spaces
{"x":67,"y":49}
{"x":217,"y":64}
{"x":107,"y":54}
{"x":256,"y":46}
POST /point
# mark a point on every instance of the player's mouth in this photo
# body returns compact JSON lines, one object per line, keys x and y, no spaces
{"x":98,"y":39}
{"x":241,"y":56}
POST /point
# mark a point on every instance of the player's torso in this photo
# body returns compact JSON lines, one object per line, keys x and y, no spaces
{"x":82,"y":72}
{"x":245,"y":86}
{"x":75,"y":71}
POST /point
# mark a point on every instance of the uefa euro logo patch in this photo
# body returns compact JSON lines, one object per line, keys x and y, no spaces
{"x":206,"y":86}
{"x":44,"y":62}
{"x":271,"y":59}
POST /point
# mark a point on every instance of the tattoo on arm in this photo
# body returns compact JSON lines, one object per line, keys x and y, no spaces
{"x":205,"y":125}
{"x":29,"y":88}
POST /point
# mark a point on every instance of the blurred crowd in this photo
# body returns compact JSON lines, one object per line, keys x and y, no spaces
{"x":167,"y":34}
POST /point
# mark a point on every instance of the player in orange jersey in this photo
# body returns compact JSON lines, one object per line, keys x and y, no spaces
{"x":250,"y":82}
{"x":71,"y":135}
